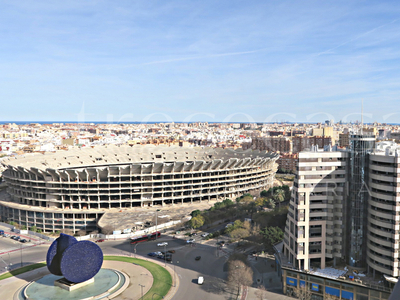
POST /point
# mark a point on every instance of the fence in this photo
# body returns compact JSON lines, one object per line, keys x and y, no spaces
{"x":27,"y":232}
{"x":99,"y":235}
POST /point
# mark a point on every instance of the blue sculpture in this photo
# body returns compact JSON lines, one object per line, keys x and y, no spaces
{"x":76,"y":261}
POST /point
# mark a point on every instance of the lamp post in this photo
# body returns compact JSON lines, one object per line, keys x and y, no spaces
{"x":21,"y":255}
{"x":177,"y":262}
{"x":165,"y":255}
{"x":157,"y":210}
{"x":217,"y":252}
{"x":142,"y":286}
{"x":135,"y":249}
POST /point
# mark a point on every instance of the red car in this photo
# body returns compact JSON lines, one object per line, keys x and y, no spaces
{"x":100,"y":240}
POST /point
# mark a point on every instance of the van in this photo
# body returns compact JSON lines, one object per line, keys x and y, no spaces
{"x":200,"y":280}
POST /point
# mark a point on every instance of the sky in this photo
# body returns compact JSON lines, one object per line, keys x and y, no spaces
{"x":186,"y":61}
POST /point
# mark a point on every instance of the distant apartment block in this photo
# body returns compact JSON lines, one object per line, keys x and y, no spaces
{"x":288,"y":162}
{"x":344,"y":140}
{"x":301,"y":143}
{"x":274,"y":144}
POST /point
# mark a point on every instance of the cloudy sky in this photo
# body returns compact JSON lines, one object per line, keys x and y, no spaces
{"x":199,"y":60}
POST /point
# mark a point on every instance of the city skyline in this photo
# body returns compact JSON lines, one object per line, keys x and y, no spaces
{"x":199,"y":61}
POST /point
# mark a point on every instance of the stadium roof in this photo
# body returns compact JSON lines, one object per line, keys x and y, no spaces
{"x":124,"y":154}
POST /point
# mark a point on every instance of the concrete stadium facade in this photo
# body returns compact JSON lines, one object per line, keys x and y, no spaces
{"x":73,"y":189}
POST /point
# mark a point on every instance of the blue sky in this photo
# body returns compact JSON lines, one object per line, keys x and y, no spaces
{"x":199,"y":60}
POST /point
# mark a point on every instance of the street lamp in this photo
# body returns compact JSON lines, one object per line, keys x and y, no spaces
{"x":177,"y":262}
{"x":142,"y":286}
{"x":165,"y":255}
{"x":152,"y":297}
{"x":135,"y":249}
{"x":157,"y":210}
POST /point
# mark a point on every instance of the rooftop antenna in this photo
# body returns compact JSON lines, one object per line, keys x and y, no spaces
{"x":362,"y":115}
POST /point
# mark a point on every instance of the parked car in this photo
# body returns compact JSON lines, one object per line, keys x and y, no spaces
{"x":100,"y":240}
{"x":205,"y":234}
{"x":190,"y":241}
{"x":171,"y":251}
{"x":162,"y":244}
{"x":23,"y":241}
{"x":200,"y":280}
{"x":17,"y":238}
{"x":198,"y":257}
{"x":152,"y":254}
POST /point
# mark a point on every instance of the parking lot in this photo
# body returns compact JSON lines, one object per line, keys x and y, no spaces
{"x":9,"y":244}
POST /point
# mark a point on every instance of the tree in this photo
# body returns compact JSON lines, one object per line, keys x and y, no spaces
{"x":228,"y":202}
{"x":302,"y":293}
{"x":264,"y":194}
{"x":261,"y":292}
{"x":247,"y":199}
{"x":108,"y":229}
{"x":260,"y":201}
{"x":195,"y":213}
{"x":239,"y":233}
{"x":272,"y":235}
{"x":197,"y":221}
{"x":279,"y":195}
{"x":270,"y":203}
{"x":34,"y":228}
{"x":246,"y":225}
{"x":81,"y":232}
{"x":239,"y":274}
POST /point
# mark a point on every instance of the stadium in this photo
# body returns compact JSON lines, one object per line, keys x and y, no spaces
{"x":73,"y":189}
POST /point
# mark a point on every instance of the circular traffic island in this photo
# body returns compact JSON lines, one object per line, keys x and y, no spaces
{"x":106,"y":283}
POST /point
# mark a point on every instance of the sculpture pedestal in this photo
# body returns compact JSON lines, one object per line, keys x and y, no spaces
{"x":71,"y":286}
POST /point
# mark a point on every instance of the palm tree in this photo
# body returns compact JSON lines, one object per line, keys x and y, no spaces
{"x":279,"y":195}
{"x":270,"y":203}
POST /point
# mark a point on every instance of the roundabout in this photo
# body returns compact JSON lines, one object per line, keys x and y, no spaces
{"x":107,"y":283}
{"x":137,"y":277}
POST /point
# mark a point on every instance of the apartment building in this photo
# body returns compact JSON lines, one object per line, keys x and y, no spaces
{"x":344,"y":217}
{"x":313,"y":233}
{"x":276,"y":144}
{"x":384,"y":210}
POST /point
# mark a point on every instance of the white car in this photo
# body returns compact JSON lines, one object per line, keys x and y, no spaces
{"x":162,"y":244}
{"x":200,"y":280}
{"x":205,"y":234}
{"x":190,"y":241}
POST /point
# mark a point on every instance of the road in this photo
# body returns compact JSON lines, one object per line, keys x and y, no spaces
{"x":211,"y":265}
{"x":188,"y":269}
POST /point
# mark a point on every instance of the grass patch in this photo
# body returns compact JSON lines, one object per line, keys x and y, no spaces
{"x":162,"y":278}
{"x":22,"y":270}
